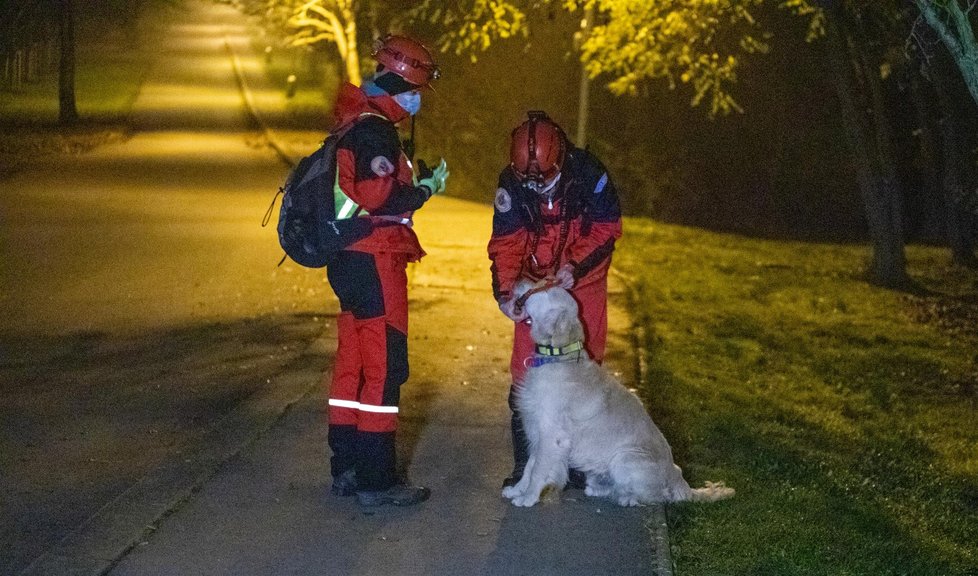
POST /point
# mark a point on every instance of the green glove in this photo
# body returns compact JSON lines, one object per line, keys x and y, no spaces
{"x":433,"y":180}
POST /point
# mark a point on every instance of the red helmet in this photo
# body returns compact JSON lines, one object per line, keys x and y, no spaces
{"x":537,"y":149}
{"x":407,"y":58}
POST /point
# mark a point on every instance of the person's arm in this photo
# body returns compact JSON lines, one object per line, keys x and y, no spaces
{"x":601,"y":220}
{"x":368,"y":163}
{"x":507,"y":246}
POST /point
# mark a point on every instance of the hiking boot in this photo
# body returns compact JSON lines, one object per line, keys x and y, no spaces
{"x":396,"y":495}
{"x":345,"y":484}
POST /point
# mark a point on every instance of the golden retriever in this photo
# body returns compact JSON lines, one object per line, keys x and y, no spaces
{"x":577,"y":415}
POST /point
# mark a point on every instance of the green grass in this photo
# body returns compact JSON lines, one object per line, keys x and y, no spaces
{"x":844,"y":414}
{"x":104,"y":93}
{"x":104,"y":96}
{"x":110,"y":68}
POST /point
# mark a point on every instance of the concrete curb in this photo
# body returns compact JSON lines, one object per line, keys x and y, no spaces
{"x":253,"y":111}
{"x":657,"y":525}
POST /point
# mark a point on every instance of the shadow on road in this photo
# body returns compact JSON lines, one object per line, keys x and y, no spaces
{"x":85,"y":417}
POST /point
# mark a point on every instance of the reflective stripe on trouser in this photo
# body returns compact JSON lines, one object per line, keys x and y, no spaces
{"x":370,"y":366}
{"x":592,"y":301}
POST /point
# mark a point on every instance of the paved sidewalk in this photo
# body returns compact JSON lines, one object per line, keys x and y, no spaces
{"x":268,"y":511}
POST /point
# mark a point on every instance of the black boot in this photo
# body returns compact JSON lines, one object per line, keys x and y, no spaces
{"x":342,"y":442}
{"x":345,"y":484}
{"x":521,"y":446}
{"x":396,"y":495}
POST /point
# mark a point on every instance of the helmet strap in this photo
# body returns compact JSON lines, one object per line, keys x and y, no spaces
{"x":532,"y":165}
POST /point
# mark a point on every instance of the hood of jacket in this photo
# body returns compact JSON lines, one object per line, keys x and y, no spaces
{"x":351,"y":102}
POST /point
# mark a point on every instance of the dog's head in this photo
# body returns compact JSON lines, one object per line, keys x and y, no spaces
{"x":553,"y":316}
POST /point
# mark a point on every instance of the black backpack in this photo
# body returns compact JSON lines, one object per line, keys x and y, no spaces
{"x":307,"y":226}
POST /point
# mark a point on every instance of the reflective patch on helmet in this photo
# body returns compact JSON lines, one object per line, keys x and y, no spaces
{"x":381,"y":166}
{"x":601,"y":183}
{"x":503,"y":200}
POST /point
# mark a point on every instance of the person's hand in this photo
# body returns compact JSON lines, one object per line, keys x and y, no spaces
{"x":508,"y":307}
{"x":565,"y":277}
{"x":433,"y":180}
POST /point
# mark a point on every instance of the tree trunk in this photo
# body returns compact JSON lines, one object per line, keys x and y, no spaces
{"x":958,"y":234}
{"x":351,"y":55}
{"x":868,"y":141}
{"x":924,"y":99}
{"x":67,"y":111}
{"x":955,"y":174}
{"x":889,"y":261}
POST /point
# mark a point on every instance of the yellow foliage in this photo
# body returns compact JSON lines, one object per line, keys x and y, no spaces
{"x":697,"y":42}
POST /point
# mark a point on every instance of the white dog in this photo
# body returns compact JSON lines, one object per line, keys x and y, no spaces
{"x":577,"y":415}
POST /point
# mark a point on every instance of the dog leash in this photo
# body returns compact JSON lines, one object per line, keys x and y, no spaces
{"x":538,"y":287}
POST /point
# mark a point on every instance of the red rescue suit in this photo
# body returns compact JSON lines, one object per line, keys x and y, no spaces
{"x":535,"y":234}
{"x":370,"y":281}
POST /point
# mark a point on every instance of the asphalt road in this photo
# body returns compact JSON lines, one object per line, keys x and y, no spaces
{"x":160,"y":377}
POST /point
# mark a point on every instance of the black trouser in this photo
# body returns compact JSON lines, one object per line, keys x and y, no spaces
{"x":521,"y":446}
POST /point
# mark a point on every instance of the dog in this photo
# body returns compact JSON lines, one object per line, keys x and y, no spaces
{"x":577,"y":415}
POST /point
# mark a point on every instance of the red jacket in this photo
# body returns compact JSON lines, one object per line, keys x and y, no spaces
{"x":373,"y":170}
{"x":533,"y":237}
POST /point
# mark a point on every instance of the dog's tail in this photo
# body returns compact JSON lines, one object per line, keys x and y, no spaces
{"x":711,"y":492}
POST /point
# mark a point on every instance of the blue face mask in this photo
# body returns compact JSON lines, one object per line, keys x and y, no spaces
{"x":410,"y":101}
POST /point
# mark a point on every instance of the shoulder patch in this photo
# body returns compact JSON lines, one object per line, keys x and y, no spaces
{"x":504,"y":202}
{"x":381,"y":166}
{"x":602,"y":182}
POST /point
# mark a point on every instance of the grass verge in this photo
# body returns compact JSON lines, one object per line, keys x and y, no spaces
{"x":844,"y":414}
{"x":111,"y":65}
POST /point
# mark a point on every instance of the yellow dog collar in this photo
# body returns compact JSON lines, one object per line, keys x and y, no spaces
{"x":559,"y":351}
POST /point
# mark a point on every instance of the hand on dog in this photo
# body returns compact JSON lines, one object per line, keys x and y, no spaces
{"x":565,"y":277}
{"x":508,"y":307}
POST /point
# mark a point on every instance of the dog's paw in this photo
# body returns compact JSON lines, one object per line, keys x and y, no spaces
{"x":525,"y":501}
{"x":628,"y":501}
{"x":511,"y":492}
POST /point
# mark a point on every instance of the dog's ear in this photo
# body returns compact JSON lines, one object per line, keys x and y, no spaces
{"x":566,"y":328}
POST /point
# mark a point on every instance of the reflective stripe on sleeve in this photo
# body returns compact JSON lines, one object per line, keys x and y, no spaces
{"x":346,"y":210}
{"x":363,"y":407}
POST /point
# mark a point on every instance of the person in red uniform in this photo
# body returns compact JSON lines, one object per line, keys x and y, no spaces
{"x":375,"y":178}
{"x":556,"y":219}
